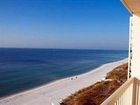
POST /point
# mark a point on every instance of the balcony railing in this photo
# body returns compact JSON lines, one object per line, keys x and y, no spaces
{"x":127,"y":94}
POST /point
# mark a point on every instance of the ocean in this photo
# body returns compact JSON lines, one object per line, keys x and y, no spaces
{"x":22,"y":69}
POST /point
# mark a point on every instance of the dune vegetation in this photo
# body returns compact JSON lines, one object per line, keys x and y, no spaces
{"x":98,"y":92}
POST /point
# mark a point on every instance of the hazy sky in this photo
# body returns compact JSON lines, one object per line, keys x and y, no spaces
{"x":82,"y":24}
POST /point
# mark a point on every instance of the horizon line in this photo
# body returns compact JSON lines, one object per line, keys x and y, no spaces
{"x":59,"y":48}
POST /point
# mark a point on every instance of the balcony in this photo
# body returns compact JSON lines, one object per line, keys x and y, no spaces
{"x":127,"y":94}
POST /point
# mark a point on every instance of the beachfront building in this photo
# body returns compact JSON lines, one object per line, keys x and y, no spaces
{"x":129,"y":92}
{"x":133,"y":7}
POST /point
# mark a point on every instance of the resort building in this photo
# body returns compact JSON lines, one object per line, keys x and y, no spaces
{"x":129,"y":92}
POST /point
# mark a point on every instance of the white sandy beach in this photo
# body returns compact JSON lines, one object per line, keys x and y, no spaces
{"x":56,"y":91}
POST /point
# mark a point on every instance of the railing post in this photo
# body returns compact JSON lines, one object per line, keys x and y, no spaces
{"x":135,"y":92}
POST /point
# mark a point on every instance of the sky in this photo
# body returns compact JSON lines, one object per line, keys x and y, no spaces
{"x":70,"y":24}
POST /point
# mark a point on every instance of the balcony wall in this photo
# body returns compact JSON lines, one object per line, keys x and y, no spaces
{"x":135,"y":41}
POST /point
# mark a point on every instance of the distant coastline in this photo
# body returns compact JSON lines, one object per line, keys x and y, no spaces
{"x":59,"y":89}
{"x":23,"y":69}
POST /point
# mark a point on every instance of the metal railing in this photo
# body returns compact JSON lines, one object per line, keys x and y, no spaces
{"x":127,"y":94}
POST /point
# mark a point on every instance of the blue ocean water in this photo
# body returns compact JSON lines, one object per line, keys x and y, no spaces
{"x":22,"y":69}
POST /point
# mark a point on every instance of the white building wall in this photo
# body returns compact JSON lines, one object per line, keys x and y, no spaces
{"x":135,"y":40}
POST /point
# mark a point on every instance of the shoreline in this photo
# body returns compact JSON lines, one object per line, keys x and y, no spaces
{"x":57,"y":90}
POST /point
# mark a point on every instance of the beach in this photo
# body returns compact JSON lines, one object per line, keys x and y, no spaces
{"x":54,"y":92}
